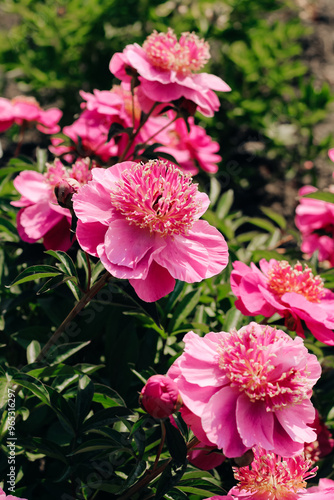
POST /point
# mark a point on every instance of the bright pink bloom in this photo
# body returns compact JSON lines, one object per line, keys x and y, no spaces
{"x":272,"y":477}
{"x":292,"y":292}
{"x":3,"y":496}
{"x":331,"y":154}
{"x":190,"y":149}
{"x":166,"y":71}
{"x":142,"y":222}
{"x":160,"y":396}
{"x":248,"y":387}
{"x":40,"y":215}
{"x":315,"y":221}
{"x":23,"y":109}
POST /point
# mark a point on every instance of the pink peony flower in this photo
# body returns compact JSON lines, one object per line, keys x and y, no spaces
{"x":248,"y":387}
{"x":40,"y":215}
{"x":141,"y":220}
{"x":292,"y":292}
{"x":190,"y":149}
{"x":272,"y":477}
{"x":315,"y":221}
{"x":166,"y":68}
{"x":3,"y":496}
{"x":23,"y":109}
{"x":160,"y":397}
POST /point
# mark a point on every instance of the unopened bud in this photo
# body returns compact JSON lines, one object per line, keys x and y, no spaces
{"x":64,"y":191}
{"x":160,"y":397}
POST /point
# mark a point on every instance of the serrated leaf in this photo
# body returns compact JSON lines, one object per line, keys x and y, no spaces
{"x":33,"y":273}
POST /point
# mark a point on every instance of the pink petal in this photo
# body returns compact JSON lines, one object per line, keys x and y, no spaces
{"x":157,"y":284}
{"x":32,"y":185}
{"x":90,"y":236}
{"x":219,"y":422}
{"x":126,"y":245}
{"x":59,"y":237}
{"x":255,"y":424}
{"x":36,"y":220}
{"x":294,"y":420}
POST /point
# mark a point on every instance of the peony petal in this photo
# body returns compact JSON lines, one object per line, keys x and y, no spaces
{"x":294,"y":421}
{"x":32,"y":185}
{"x":255,"y":424}
{"x":156,"y":285}
{"x":59,"y":237}
{"x":90,"y":236}
{"x":219,"y":422}
{"x":36,"y":220}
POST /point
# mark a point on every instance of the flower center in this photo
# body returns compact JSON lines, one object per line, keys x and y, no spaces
{"x":252,"y":362}
{"x":56,"y":172}
{"x":282,"y":278}
{"x":271,"y":477}
{"x":188,"y":54}
{"x":157,"y":196}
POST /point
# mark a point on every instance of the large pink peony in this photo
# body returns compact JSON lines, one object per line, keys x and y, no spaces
{"x":166,"y":69}
{"x":40,"y":216}
{"x":141,"y":220}
{"x":248,"y":387}
{"x":315,"y":221}
{"x":292,"y":292}
{"x":23,"y":109}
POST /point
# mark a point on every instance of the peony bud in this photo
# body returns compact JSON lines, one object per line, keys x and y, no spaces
{"x":160,"y":396}
{"x":64,"y":191}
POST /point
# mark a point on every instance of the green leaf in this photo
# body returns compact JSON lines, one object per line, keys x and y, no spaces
{"x":176,"y":444}
{"x":44,"y":446}
{"x":134,"y":474}
{"x":105,"y":417}
{"x":183,"y":309}
{"x":34,"y":385}
{"x":225,"y":203}
{"x":168,"y":479}
{"x":58,"y":354}
{"x":276,"y":217}
{"x":107,"y":396}
{"x":84,"y":397}
{"x":35,"y":272}
{"x":33,"y":350}
{"x":321,"y":195}
{"x":68,"y":266}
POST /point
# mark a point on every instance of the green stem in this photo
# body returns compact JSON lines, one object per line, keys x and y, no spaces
{"x":73,"y":313}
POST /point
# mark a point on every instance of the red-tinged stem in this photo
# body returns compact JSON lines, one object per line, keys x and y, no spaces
{"x":134,"y":134}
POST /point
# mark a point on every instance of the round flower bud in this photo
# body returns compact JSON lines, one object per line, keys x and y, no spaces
{"x":160,"y":396}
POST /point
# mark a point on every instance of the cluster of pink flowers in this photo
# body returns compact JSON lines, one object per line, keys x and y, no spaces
{"x":23,"y":109}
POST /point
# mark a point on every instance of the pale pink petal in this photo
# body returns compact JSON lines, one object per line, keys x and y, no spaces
{"x":32,"y":185}
{"x":294,"y":420}
{"x":36,"y":220}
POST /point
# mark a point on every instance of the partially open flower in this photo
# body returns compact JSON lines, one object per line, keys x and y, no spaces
{"x":160,"y":397}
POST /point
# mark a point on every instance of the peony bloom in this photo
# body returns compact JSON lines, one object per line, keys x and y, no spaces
{"x":272,"y":477}
{"x":141,"y":220}
{"x":23,"y":109}
{"x":160,"y":397}
{"x":167,"y":71}
{"x":3,"y":496}
{"x":191,"y":149}
{"x":248,"y":387}
{"x":40,"y":215}
{"x":315,"y":221}
{"x":292,"y":292}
